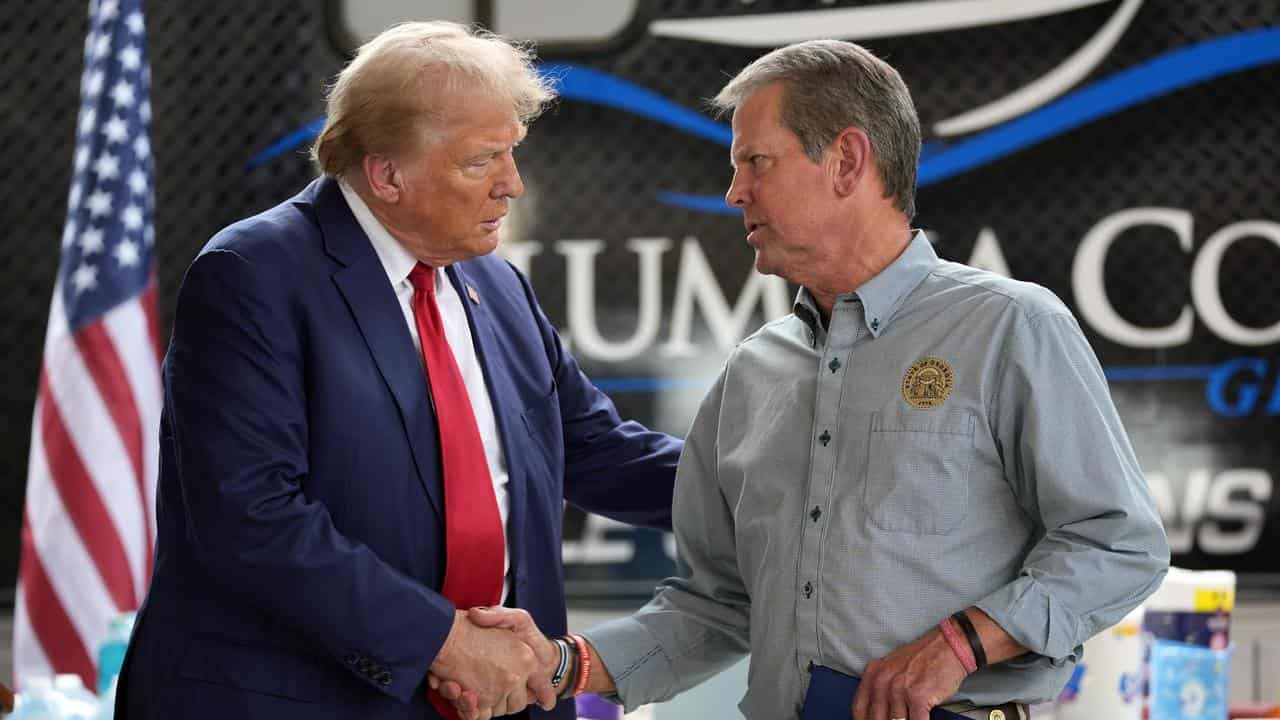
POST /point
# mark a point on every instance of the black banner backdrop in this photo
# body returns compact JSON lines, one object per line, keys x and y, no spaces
{"x":1141,"y":189}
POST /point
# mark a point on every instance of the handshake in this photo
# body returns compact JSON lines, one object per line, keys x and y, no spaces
{"x":496,"y":662}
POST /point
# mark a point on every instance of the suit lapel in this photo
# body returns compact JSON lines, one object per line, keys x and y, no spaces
{"x":502,"y":394}
{"x":363,"y":284}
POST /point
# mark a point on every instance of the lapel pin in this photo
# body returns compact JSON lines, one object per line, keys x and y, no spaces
{"x":471,"y":293}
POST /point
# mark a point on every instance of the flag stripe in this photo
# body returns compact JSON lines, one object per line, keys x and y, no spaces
{"x":98,"y":354}
{"x":93,"y":434}
{"x":56,"y":634}
{"x":25,"y":643}
{"x":83,"y":504}
{"x":64,"y":557}
{"x":125,"y":325}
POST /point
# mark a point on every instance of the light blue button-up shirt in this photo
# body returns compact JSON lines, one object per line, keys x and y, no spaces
{"x":946,"y":441}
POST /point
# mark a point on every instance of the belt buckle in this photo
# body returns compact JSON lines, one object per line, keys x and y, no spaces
{"x":996,"y":715}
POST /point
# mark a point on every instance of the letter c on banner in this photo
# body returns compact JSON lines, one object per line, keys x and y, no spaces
{"x":1091,"y":292}
{"x":1205,"y":288}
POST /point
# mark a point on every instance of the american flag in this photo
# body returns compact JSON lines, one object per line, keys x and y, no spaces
{"x":88,"y":526}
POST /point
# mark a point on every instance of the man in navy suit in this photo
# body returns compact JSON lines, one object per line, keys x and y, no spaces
{"x":370,"y":426}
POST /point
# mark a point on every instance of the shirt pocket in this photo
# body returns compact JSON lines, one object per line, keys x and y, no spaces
{"x":918,"y":466}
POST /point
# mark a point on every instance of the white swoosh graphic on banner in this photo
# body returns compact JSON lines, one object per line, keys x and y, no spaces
{"x":1048,"y":87}
{"x":769,"y":30}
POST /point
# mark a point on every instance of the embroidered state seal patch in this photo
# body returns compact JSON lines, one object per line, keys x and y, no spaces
{"x":927,"y":383}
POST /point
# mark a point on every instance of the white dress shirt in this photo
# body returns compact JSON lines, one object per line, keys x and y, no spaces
{"x":398,"y":262}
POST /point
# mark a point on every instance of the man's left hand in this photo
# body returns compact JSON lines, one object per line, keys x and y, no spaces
{"x":910,"y":681}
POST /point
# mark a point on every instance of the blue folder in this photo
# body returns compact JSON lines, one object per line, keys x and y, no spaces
{"x":831,"y":696}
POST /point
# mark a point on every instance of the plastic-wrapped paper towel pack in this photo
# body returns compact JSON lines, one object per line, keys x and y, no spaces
{"x":1188,"y":682}
{"x":1188,"y":626}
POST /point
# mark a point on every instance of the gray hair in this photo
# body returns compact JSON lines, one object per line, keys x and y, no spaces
{"x":832,"y":85}
{"x":386,"y":99}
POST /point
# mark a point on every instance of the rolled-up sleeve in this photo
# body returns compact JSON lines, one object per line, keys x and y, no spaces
{"x":697,"y":624}
{"x":1101,"y":547}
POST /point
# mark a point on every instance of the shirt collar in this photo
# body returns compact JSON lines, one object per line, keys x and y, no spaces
{"x":807,"y":310}
{"x":396,"y":260}
{"x":882,"y":295}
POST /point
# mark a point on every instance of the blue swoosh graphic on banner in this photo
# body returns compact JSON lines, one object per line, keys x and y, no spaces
{"x":1159,"y":76}
{"x":579,"y":83}
{"x":304,"y":134}
{"x":1155,"y":77}
{"x":701,"y":203}
{"x":1151,"y":373}
{"x":642,"y":385}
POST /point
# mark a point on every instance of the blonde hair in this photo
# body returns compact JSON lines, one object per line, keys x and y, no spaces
{"x":400,"y":82}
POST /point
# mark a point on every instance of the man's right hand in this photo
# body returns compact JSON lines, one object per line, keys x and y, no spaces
{"x":519,"y":621}
{"x":493,"y":664}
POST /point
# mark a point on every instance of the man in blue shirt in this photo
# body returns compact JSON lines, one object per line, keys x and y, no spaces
{"x":918,"y":477}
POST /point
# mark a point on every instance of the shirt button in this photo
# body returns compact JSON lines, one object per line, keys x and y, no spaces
{"x":815,"y":513}
{"x":875,"y":323}
{"x":808,"y":590}
{"x":824,"y":438}
{"x":834,"y":364}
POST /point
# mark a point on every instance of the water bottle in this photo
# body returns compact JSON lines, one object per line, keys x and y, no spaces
{"x":37,"y":701}
{"x":111,"y":651}
{"x":75,"y":700}
{"x":107,"y":703}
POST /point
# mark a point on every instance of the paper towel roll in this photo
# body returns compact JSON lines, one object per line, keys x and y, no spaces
{"x":1193,"y":607}
{"x":1108,"y":681}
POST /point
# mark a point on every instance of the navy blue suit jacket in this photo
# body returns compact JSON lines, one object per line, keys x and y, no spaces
{"x":300,"y":512}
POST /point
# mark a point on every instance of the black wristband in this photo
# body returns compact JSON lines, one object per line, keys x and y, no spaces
{"x":971,"y":634}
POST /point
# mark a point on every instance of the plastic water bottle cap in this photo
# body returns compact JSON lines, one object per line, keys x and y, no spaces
{"x":68,"y":681}
{"x":122,"y":624}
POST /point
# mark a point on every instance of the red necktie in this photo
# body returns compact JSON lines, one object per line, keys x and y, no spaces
{"x":474,"y":543}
